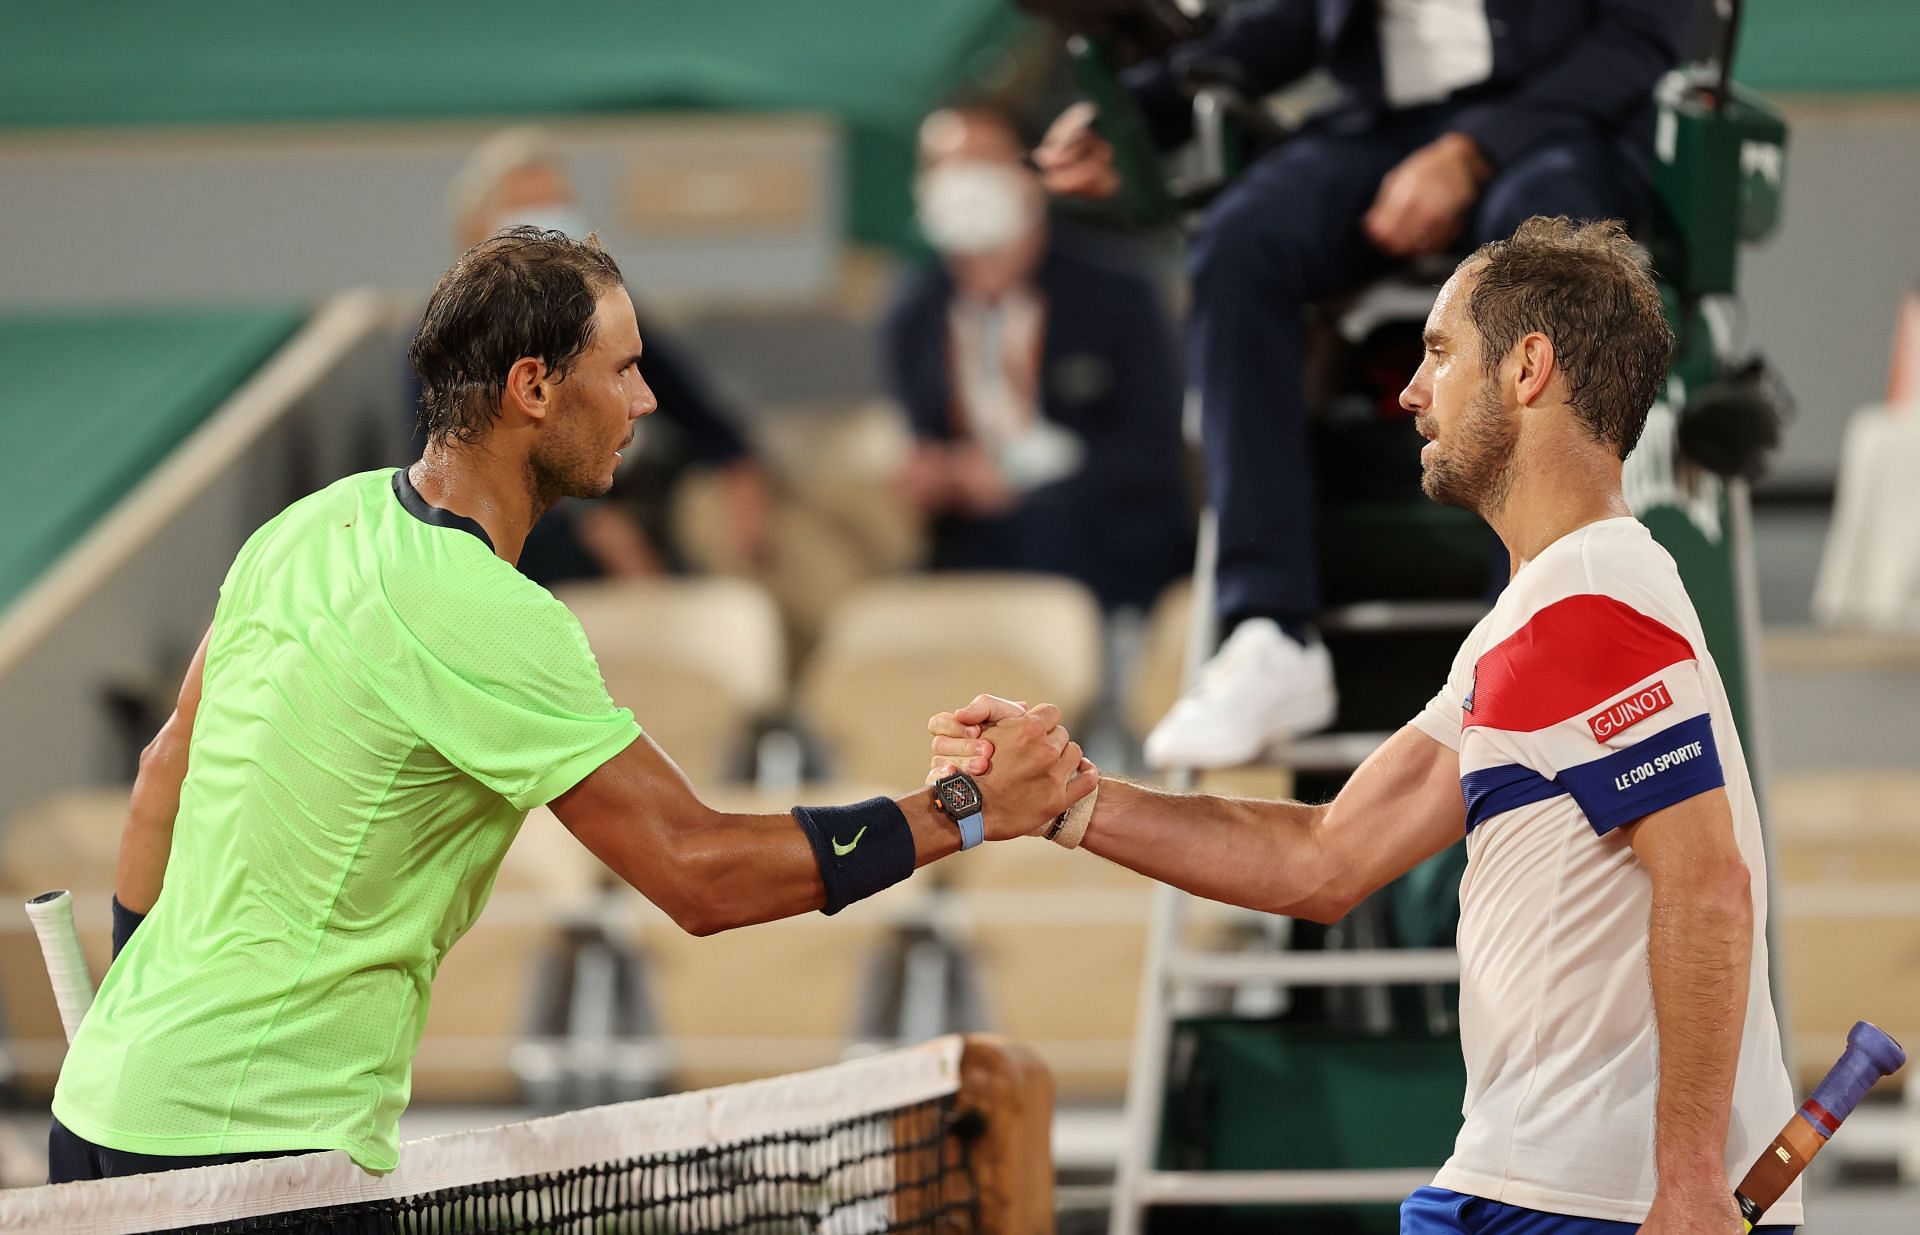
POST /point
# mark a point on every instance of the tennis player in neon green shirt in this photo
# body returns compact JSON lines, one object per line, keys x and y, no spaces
{"x":380,"y":700}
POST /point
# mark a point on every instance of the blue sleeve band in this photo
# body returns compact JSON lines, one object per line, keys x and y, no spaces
{"x":125,"y":922}
{"x":862,"y":849}
{"x":1497,"y":790}
{"x":1671,"y":766}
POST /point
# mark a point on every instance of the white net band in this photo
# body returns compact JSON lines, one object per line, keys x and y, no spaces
{"x":649,"y":1128}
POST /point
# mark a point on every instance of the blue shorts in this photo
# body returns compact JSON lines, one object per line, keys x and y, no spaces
{"x":1436,"y":1211}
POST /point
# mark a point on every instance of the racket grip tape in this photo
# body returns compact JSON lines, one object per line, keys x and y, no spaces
{"x":1870,"y":1055}
{"x":52,"y":917}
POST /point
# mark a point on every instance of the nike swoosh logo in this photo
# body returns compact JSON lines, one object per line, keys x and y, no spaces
{"x":840,"y":850}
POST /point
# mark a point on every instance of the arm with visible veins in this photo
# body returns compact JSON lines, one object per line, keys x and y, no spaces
{"x":712,"y":870}
{"x":1699,"y":953}
{"x":1398,"y":809}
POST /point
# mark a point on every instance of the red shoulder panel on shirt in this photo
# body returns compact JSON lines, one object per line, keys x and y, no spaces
{"x":1570,"y":657}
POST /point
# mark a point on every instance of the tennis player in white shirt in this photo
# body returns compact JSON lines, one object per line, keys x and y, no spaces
{"x":1623,"y":1061}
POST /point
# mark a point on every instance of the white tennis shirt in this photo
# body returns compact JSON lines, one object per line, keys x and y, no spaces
{"x":1584,"y":701}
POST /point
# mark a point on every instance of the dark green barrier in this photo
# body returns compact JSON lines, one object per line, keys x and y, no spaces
{"x":1263,"y":1096}
{"x":103,"y":398}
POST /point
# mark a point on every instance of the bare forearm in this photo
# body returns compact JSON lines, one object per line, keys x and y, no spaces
{"x":1699,"y":949}
{"x":148,"y":836}
{"x":741,"y":870}
{"x":1264,"y":855}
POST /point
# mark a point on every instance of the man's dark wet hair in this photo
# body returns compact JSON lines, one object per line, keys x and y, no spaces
{"x":521,"y":292}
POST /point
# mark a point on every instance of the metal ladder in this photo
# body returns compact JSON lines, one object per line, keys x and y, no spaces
{"x":1173,"y":972}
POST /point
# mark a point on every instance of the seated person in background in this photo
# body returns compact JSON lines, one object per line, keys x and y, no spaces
{"x":1039,"y":379}
{"x":1457,"y":119}
{"x":519,"y":177}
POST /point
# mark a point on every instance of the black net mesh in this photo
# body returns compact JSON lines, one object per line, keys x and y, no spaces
{"x":902,"y":1170}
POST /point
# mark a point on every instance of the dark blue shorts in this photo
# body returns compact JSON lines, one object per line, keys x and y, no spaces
{"x":1436,"y":1211}
{"x":71,"y":1157}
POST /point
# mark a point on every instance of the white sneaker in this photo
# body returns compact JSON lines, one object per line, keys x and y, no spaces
{"x":1260,"y":690}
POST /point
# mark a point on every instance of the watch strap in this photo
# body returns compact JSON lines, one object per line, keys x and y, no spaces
{"x":973,"y":829}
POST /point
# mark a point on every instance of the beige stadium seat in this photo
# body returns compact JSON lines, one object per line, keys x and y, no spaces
{"x":1847,"y":853}
{"x":484,"y":992}
{"x":698,"y":660}
{"x":898,"y":651}
{"x":70,"y":840}
{"x":812,"y":560}
{"x":778,"y":997}
{"x":837,"y":520}
{"x":1058,"y":939}
{"x":842,"y":462}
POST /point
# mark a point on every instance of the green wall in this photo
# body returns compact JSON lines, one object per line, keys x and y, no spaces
{"x":1840,"y":46}
{"x":100,"y":399}
{"x":878,"y":65}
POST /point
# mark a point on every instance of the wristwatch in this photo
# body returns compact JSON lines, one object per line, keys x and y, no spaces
{"x":958,"y":798}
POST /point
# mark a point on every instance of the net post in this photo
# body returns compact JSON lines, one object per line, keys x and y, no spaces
{"x":1010,"y":1088}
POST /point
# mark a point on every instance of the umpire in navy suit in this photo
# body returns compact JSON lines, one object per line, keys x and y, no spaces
{"x":1456,"y":120}
{"x":1040,"y":379}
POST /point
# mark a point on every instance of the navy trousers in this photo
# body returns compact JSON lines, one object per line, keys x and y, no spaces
{"x":1287,"y":233}
{"x":1124,"y":550}
{"x":72,"y":1157}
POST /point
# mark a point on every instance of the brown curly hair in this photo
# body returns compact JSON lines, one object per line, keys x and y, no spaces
{"x":1590,"y":290}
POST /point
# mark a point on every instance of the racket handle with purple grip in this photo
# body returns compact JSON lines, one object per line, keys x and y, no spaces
{"x":1870,"y":1055}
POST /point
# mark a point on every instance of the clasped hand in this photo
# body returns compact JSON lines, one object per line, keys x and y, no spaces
{"x":1705,"y":1207}
{"x":1029,"y":768}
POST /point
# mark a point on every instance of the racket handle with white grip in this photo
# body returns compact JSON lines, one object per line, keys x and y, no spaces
{"x":52,"y":915}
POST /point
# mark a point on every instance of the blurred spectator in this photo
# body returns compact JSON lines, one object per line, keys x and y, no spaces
{"x":1456,"y":120}
{"x":1039,"y":379}
{"x":517,"y":177}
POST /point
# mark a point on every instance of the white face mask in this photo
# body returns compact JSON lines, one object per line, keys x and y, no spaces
{"x":556,"y":217}
{"x":968,"y":207}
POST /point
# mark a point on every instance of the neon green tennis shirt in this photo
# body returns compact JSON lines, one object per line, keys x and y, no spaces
{"x":384,"y":700}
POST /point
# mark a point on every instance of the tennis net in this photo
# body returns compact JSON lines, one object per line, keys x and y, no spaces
{"x":891,"y":1143}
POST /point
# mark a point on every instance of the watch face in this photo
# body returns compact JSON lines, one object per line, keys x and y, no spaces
{"x":960,"y":796}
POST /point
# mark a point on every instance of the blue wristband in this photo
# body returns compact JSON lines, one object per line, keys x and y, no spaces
{"x":973,"y":829}
{"x":862,"y":849}
{"x":125,"y":922}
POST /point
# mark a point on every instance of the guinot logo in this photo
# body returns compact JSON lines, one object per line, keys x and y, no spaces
{"x":1630,"y":711}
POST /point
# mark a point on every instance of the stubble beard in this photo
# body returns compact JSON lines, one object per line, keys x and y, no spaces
{"x":570,"y":464}
{"x":1476,"y":472}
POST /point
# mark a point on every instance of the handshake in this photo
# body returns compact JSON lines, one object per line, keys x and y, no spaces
{"x":1030,"y":771}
